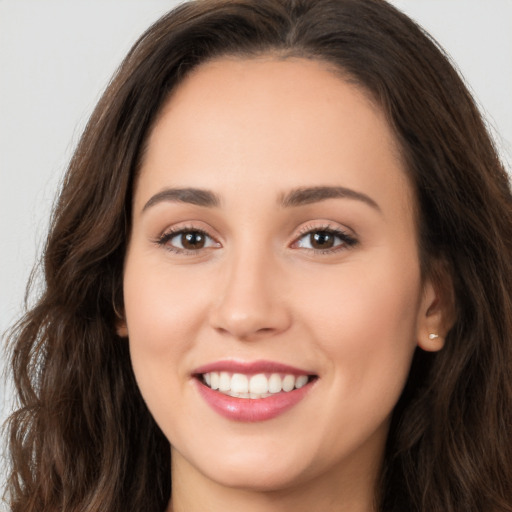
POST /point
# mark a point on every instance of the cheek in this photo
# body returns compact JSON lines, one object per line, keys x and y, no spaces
{"x":160,"y":305}
{"x":365,"y":320}
{"x":164,"y":314}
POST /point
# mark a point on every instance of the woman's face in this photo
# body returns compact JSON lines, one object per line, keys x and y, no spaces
{"x":274,"y":254}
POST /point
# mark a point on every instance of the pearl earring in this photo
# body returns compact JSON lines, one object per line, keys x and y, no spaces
{"x":433,"y":336}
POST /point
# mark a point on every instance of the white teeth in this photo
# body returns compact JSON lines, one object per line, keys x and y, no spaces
{"x":288,"y":382}
{"x":256,"y":386}
{"x":301,"y":381}
{"x":214,"y":378}
{"x":239,"y":383}
{"x":275,"y":383}
{"x":224,"y":381}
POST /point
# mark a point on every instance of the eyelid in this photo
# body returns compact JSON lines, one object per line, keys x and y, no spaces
{"x":324,"y":225}
{"x":346,"y":235}
{"x":173,"y":231}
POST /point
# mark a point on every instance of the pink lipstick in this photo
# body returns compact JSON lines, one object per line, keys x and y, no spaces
{"x":252,"y":391}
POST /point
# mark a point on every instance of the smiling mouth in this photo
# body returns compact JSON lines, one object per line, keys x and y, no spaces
{"x":256,"y":386}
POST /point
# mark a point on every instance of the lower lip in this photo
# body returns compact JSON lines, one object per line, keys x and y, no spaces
{"x":252,"y":410}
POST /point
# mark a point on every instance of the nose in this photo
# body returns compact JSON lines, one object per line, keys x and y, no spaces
{"x":252,"y":301}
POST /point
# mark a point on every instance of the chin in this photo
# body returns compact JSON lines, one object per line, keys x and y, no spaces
{"x":271,"y":478}
{"x":260,"y":469}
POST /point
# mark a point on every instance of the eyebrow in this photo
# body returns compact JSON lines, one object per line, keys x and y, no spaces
{"x":308,"y":195}
{"x":297,"y":197}
{"x":196,"y":196}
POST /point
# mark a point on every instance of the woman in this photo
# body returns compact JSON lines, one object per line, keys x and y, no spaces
{"x":279,"y":270}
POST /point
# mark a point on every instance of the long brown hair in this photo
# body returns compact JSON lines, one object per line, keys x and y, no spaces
{"x":82,"y":438}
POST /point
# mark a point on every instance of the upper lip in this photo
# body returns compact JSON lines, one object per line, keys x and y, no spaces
{"x":250,"y":367}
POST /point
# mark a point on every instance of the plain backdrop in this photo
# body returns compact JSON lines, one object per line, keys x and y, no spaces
{"x":56,"y":57}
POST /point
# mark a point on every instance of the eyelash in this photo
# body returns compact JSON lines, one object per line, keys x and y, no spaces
{"x":347,"y":241}
{"x":167,"y":236}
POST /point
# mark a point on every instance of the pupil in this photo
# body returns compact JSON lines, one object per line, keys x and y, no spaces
{"x":193,"y":240}
{"x":322,"y":240}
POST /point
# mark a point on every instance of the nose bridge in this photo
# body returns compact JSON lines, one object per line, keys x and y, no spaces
{"x":250,"y":303}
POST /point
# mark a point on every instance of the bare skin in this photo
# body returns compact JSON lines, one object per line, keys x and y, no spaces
{"x":300,"y":248}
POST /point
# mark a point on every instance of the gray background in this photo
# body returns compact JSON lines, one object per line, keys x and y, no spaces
{"x":57,"y":56}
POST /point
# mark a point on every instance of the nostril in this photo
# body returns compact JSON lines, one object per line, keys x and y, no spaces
{"x":248,"y":307}
{"x":249,"y":327}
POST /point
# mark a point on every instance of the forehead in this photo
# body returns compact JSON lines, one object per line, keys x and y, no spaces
{"x":288,"y":123}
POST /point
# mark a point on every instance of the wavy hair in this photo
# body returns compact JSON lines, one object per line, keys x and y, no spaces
{"x":82,"y":427}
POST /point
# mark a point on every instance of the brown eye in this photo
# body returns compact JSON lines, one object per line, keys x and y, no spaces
{"x":187,"y":240}
{"x":322,"y":240}
{"x":192,"y":240}
{"x":325,"y":240}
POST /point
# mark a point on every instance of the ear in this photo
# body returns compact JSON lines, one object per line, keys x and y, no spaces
{"x":120,"y":323}
{"x":118,"y":309}
{"x":121,"y":328}
{"x":436,"y":314}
